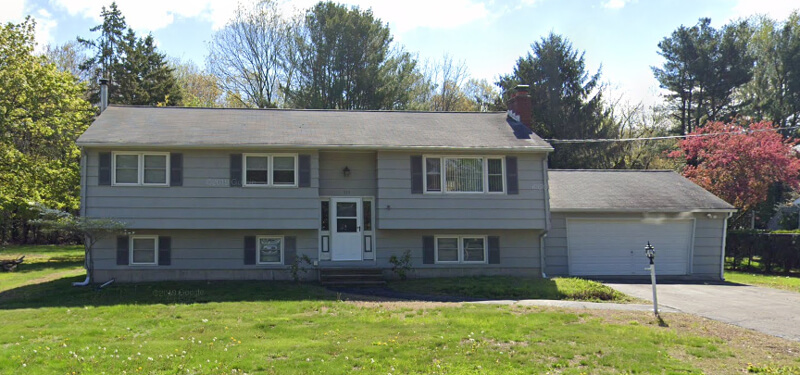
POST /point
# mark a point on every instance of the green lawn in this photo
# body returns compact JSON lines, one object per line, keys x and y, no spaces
{"x":42,"y":263}
{"x":773,"y":281}
{"x":512,"y":288}
{"x":287,"y":328}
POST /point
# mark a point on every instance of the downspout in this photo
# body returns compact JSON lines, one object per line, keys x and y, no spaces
{"x":82,"y":213}
{"x":724,"y":241}
{"x":546,"y":188}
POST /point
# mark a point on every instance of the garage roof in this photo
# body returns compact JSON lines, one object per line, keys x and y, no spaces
{"x":130,"y":126}
{"x":629,"y":191}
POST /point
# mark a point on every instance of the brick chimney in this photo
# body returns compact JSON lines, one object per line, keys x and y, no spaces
{"x":519,"y":106}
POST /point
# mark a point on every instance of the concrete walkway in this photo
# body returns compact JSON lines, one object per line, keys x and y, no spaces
{"x":576,"y":305}
{"x":771,"y":311}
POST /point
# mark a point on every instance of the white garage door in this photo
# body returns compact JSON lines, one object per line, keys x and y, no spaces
{"x":616,"y":247}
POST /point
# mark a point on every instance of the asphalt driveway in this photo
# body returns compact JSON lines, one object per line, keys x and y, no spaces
{"x":771,"y":311}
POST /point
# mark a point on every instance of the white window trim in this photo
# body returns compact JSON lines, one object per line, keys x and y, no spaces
{"x":443,"y":174}
{"x":130,"y":250}
{"x":270,"y":170}
{"x":460,"y":238}
{"x":140,"y":168}
{"x":258,"y":250}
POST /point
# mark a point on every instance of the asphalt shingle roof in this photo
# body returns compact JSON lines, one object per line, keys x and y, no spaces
{"x":214,"y":127}
{"x":628,"y":191}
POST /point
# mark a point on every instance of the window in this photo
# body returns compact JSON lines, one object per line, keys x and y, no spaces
{"x":367,"y":216}
{"x":433,"y":174}
{"x":464,"y":175}
{"x":461,"y":249}
{"x":144,"y":250}
{"x":140,"y":168}
{"x":494,"y":170}
{"x":270,"y":250}
{"x":270,"y":170}
{"x":325,"y":219}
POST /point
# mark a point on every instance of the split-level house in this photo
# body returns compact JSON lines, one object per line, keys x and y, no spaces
{"x":212,"y":194}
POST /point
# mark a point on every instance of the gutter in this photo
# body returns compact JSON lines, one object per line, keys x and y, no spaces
{"x":258,"y":146}
{"x":546,"y":188}
{"x":82,"y":211}
{"x":724,"y":242}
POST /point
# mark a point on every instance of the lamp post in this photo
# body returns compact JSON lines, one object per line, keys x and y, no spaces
{"x":650,"y":253}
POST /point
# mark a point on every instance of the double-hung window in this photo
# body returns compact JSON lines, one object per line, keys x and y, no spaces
{"x":270,"y":170}
{"x":144,"y":250}
{"x":270,"y":249}
{"x":461,"y":249}
{"x":469,"y":174}
{"x":141,"y":168}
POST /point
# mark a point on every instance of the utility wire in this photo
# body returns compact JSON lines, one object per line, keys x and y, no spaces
{"x":600,"y":140}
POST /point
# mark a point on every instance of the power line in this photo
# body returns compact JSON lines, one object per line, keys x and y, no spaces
{"x":600,"y":140}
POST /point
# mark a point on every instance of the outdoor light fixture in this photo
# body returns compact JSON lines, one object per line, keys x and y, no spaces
{"x":650,"y":252}
{"x":346,"y":171}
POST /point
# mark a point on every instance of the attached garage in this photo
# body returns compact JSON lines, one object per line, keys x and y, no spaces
{"x":601,"y":221}
{"x":599,"y":247}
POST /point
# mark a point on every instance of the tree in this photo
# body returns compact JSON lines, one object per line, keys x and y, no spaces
{"x":198,"y":88}
{"x":137,"y":73}
{"x":89,"y":229}
{"x":347,"y":61}
{"x":68,"y":57}
{"x":703,"y":67}
{"x":143,"y":76}
{"x":739,"y":164}
{"x":449,"y":78}
{"x":108,"y":49}
{"x":774,"y":91}
{"x":42,"y":113}
{"x":250,"y":56}
{"x":566,"y":101}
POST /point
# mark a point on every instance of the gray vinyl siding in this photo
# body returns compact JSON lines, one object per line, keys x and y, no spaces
{"x":205,"y":201}
{"x":519,"y":252}
{"x":204,"y":252}
{"x":397,"y":208}
{"x":706,"y":251}
{"x":361,"y":182}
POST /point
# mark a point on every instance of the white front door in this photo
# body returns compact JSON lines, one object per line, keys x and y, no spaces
{"x":346,"y":240}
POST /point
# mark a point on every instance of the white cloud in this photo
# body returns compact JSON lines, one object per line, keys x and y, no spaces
{"x":150,"y":15}
{"x":17,"y":10}
{"x":616,"y":4}
{"x":12,"y":10}
{"x":777,"y":9}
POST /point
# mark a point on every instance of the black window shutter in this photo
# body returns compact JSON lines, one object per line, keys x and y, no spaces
{"x":289,"y":250}
{"x":427,"y":250}
{"x":175,"y":169}
{"x":512,"y":181}
{"x":416,"y":174}
{"x":304,"y":170}
{"x":104,"y":169}
{"x":122,"y":250}
{"x":236,"y":170}
{"x":494,"y":250}
{"x":250,"y":250}
{"x":164,"y":251}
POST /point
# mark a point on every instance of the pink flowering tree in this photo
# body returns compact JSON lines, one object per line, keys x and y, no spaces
{"x":739,"y":164}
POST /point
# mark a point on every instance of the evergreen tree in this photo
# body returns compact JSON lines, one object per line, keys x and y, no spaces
{"x":138,"y":74}
{"x":347,"y":61}
{"x":566,"y":101}
{"x":703,"y":67}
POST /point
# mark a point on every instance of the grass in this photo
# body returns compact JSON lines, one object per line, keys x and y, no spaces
{"x":791,"y":283}
{"x":289,"y":328}
{"x":42,"y":263}
{"x":498,"y":287}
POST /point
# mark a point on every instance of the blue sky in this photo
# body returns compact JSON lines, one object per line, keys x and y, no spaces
{"x":489,"y":36}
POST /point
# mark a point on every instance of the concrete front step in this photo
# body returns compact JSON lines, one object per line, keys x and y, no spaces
{"x":351,"y":277}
